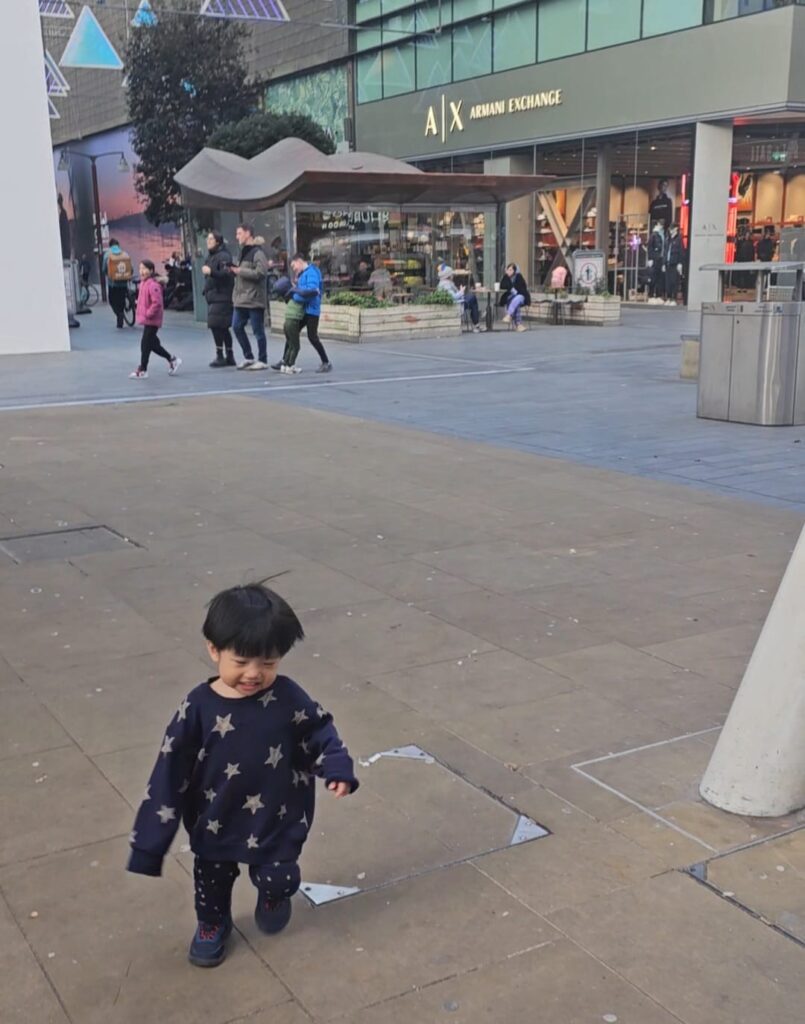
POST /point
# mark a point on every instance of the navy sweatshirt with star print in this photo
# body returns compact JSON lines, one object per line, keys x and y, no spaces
{"x":239,"y":772}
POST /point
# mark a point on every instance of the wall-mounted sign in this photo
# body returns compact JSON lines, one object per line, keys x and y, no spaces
{"x":447,"y":116}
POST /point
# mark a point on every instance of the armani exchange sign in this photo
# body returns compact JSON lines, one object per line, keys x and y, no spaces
{"x":447,"y":116}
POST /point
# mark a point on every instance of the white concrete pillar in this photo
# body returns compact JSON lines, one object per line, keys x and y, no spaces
{"x":712,"y":165}
{"x":758,"y":766}
{"x":519,"y":215}
{"x":34,"y":306}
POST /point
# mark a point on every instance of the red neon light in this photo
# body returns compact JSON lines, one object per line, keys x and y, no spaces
{"x":684,"y":210}
{"x":732,"y":217}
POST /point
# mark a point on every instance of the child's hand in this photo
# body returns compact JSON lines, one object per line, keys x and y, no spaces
{"x":339,"y":789}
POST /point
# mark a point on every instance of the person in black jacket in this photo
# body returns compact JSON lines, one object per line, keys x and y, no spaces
{"x":218,"y":289}
{"x":514,"y":295}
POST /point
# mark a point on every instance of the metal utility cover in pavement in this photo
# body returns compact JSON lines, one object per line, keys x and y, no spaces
{"x":37,"y":547}
{"x":412,"y":815}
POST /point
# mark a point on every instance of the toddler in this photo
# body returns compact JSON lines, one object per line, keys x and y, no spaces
{"x":236,"y":766}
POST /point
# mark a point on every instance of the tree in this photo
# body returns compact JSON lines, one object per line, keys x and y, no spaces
{"x":257,"y":132}
{"x":186,"y":75}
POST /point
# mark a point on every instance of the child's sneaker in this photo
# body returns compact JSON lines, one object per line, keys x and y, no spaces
{"x":208,"y":947}
{"x":175,"y":363}
{"x":139,"y":375}
{"x":272,"y":916}
{"x":291,"y":369}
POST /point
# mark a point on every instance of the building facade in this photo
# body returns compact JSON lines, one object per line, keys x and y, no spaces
{"x":643,"y":112}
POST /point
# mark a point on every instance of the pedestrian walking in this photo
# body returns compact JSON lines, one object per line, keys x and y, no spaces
{"x":514,"y":295}
{"x":218,"y":287}
{"x":118,"y":269}
{"x":292,"y":326}
{"x":150,"y":313}
{"x":249,"y":297}
{"x":307,"y":291}
{"x":237,"y":766}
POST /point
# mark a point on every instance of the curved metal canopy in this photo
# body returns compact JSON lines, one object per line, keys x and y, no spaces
{"x":294,"y":170}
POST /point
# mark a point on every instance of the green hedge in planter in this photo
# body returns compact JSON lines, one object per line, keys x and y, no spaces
{"x":357,"y":300}
{"x":437,"y":298}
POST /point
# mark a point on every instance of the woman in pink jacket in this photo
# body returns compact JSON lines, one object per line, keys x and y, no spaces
{"x":150,"y":309}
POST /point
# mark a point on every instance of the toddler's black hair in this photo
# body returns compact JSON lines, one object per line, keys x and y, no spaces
{"x":253,"y":622}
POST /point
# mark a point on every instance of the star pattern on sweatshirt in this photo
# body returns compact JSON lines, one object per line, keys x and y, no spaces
{"x":251,"y":843}
{"x":181,"y":714}
{"x":254,"y":804}
{"x":300,"y":777}
{"x":210,"y":794}
{"x":267,"y":698}
{"x":232,"y":770}
{"x":300,"y":716}
{"x":320,"y":711}
{"x":147,"y":793}
{"x":275,"y":755}
{"x":202,"y":754}
{"x":214,"y":827}
{"x":166,"y":814}
{"x":167,"y":746}
{"x":223,"y":725}
{"x":184,"y":787}
{"x":282,"y":812}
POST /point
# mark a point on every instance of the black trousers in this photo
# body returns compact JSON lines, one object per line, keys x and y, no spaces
{"x":657,"y":286}
{"x":671,"y":282}
{"x":222,"y":339}
{"x":151,"y":343}
{"x":214,"y":881}
{"x":117,"y":300}
{"x":311,"y":323}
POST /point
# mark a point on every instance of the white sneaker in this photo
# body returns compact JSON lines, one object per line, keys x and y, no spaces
{"x":139,"y":375}
{"x":291,"y":369}
{"x":507,"y":319}
{"x":256,"y":365}
{"x":476,"y":329}
{"x":521,"y":327}
{"x":176,"y":362}
{"x":246,"y":364}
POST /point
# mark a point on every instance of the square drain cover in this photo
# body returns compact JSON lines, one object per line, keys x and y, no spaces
{"x":412,"y":815}
{"x":37,"y":547}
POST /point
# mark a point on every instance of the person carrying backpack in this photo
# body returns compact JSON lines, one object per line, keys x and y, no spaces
{"x":118,"y":270}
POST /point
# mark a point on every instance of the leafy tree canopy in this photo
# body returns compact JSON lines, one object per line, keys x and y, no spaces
{"x":258,"y":132}
{"x":186,"y":76}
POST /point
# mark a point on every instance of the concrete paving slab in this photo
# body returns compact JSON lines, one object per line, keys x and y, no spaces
{"x":25,"y":994}
{"x":545,"y":881}
{"x":373,"y":947}
{"x":54,"y":801}
{"x":27,"y":726}
{"x":450,"y":689}
{"x":735,"y":970}
{"x":557,"y":981}
{"x":766,"y":880}
{"x":114,"y":945}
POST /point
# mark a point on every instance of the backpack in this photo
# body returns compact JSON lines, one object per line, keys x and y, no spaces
{"x":119,"y":268}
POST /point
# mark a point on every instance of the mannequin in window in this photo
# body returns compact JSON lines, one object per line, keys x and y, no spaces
{"x":767,"y":245}
{"x":674,"y":264}
{"x":656,"y":264}
{"x":744,"y":253}
{"x":662,"y":206}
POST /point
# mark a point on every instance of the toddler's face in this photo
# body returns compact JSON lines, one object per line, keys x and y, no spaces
{"x":244,"y":676}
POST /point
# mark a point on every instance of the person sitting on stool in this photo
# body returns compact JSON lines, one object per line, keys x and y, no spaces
{"x":514,"y":295}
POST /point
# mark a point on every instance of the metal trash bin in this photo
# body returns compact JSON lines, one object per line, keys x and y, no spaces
{"x":752,"y":362}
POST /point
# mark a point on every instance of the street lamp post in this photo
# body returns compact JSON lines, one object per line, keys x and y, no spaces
{"x":123,"y":167}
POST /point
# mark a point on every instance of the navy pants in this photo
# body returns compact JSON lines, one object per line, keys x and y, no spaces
{"x":255,"y":318}
{"x":214,"y":881}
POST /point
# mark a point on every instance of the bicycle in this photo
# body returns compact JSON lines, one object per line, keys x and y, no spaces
{"x":88,"y":295}
{"x":130,"y":304}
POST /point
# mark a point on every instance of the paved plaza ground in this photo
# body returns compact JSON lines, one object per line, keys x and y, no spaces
{"x":520,"y":554}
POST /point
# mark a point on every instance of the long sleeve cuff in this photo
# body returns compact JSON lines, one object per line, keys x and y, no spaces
{"x":141,"y":862}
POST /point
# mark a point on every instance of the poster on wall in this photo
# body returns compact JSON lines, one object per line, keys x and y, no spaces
{"x":122,"y":216}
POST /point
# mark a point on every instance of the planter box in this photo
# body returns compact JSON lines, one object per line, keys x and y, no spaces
{"x":593,"y":310}
{"x":348,"y":323}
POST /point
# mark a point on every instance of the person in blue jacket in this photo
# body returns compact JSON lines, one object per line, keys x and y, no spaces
{"x":308,"y":291}
{"x":237,"y":766}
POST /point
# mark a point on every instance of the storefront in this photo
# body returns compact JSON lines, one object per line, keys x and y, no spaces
{"x":685,"y":115}
{"x":355,"y":216}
